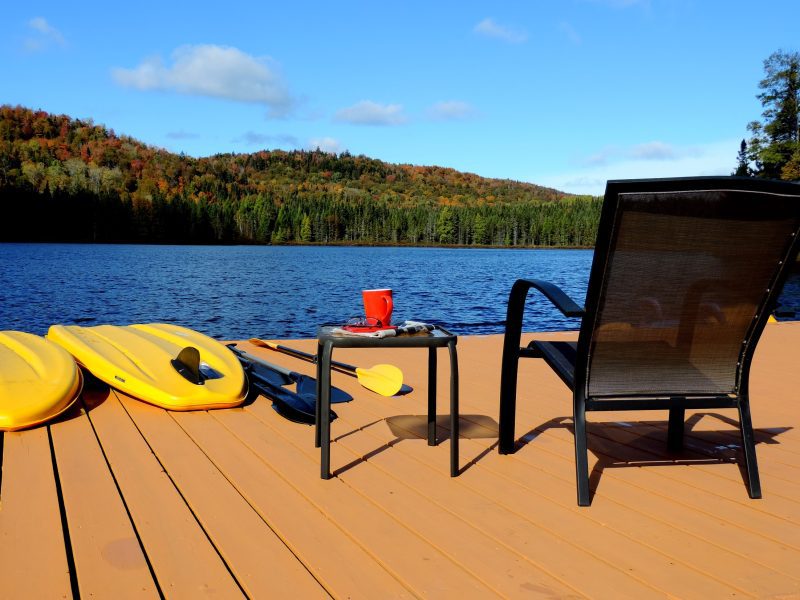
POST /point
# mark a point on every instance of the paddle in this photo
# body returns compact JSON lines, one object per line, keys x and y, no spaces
{"x":386,"y":380}
{"x":279,"y":376}
{"x":300,"y":408}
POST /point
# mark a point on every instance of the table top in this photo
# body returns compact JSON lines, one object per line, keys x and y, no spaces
{"x":437,"y":338}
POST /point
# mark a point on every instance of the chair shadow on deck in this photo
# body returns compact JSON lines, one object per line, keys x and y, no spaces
{"x":415,"y":427}
{"x":621,"y":444}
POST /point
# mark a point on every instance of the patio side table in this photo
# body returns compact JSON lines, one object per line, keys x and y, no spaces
{"x":327,"y":340}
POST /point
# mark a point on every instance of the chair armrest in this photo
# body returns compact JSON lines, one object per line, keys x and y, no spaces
{"x":567,"y":306}
{"x":512,"y":352}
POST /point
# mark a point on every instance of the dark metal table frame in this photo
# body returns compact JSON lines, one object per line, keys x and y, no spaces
{"x":438,"y":338}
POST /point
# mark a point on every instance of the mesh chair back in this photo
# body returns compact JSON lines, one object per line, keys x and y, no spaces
{"x":680,"y":284}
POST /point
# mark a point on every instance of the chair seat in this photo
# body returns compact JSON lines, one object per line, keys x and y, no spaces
{"x":560,"y":356}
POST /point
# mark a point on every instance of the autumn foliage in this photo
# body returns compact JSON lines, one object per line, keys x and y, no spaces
{"x":69,"y":179}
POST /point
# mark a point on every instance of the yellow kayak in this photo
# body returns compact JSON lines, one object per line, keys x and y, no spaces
{"x":38,"y":380}
{"x":166,"y":365}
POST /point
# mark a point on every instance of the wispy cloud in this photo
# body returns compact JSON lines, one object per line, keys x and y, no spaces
{"x":368,"y":112}
{"x":621,"y":3}
{"x":601,"y":157}
{"x":658,"y":151}
{"x":182,"y":135}
{"x":214,"y":71}
{"x":490,"y":28}
{"x":254,"y":138}
{"x":43,"y":35}
{"x":451,"y":110}
{"x":326,"y":144}
{"x":571,"y":33}
{"x":647,"y":151}
{"x":648,"y":159}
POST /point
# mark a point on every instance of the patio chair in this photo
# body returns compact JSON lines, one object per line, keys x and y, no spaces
{"x":684,"y":277}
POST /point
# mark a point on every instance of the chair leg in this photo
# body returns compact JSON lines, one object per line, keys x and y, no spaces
{"x":749,"y":448}
{"x":581,"y":451}
{"x":510,"y":366}
{"x":677,"y":417}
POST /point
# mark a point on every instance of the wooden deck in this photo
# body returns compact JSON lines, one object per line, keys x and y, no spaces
{"x":120,"y":499}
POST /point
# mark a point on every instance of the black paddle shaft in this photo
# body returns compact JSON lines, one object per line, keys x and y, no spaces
{"x":339,"y":366}
{"x":306,"y":385}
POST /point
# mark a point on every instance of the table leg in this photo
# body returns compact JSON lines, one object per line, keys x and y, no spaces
{"x":431,"y":396}
{"x":317,"y":403}
{"x":453,"y":409}
{"x":324,"y":410}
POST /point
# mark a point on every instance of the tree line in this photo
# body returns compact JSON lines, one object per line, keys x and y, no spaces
{"x":71,"y":180}
{"x":86,"y":216}
{"x":773,"y":150}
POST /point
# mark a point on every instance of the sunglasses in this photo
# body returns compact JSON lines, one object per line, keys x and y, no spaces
{"x":363,"y":322}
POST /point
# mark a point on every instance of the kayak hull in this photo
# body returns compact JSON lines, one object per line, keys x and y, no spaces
{"x":138,"y":360}
{"x":39,"y":380}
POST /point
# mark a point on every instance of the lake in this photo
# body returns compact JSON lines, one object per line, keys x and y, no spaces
{"x":236,"y":292}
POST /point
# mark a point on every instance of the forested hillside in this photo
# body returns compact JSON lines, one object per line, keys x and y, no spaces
{"x":64,"y":179}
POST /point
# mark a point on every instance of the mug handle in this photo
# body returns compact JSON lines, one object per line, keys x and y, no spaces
{"x":389,"y":307}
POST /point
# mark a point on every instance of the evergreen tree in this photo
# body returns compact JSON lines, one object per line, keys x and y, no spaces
{"x":775,"y":142}
{"x":743,"y":168}
{"x":305,"y":229}
{"x":445,"y":226}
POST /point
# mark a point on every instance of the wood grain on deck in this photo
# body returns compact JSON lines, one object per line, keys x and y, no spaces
{"x":229,"y":503}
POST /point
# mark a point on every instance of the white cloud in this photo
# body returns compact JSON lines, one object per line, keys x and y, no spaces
{"x":489,"y":28}
{"x":214,"y":71}
{"x":451,"y":110}
{"x":368,"y":112}
{"x":44,"y":35}
{"x":650,"y":159}
{"x":326,"y":144}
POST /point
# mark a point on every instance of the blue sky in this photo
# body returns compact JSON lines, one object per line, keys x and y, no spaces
{"x":563,"y":93}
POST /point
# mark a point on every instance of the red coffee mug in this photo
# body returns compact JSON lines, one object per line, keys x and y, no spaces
{"x":378,"y":305}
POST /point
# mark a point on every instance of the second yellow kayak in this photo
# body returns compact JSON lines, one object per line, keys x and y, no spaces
{"x":143,"y":361}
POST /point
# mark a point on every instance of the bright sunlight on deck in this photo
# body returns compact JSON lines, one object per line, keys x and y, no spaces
{"x":120,"y":499}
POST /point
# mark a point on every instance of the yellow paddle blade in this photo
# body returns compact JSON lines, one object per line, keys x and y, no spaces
{"x":263,"y":343}
{"x":385,"y":380}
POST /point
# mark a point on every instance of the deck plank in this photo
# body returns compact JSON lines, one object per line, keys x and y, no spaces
{"x":109,"y":560}
{"x":623,"y":550}
{"x":738,"y":534}
{"x":504,"y":570}
{"x":422,"y":567}
{"x":234,"y":495}
{"x":534,"y":417}
{"x":259,"y":560}
{"x":335,"y":560}
{"x":33,"y":560}
{"x":185,"y":563}
{"x":531,"y":513}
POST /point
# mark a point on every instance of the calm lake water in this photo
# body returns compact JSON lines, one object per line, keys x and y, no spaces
{"x":237,"y":292}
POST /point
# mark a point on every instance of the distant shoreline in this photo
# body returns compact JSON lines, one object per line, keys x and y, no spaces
{"x":309,"y":244}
